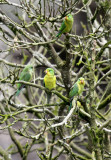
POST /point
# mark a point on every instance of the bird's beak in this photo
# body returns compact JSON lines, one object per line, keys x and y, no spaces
{"x":82,"y":81}
{"x":66,"y":18}
{"x":46,"y":71}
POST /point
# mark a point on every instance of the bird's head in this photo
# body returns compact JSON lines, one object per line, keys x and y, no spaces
{"x":49,"y":71}
{"x":29,"y":67}
{"x":69,"y":17}
{"x":81,"y":81}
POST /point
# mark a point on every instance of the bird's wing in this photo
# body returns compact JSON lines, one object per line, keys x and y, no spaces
{"x":26,"y":76}
{"x":43,"y":83}
{"x":63,"y":26}
{"x":54,"y":79}
{"x":45,"y":77}
{"x":74,"y":91}
{"x":47,"y":92}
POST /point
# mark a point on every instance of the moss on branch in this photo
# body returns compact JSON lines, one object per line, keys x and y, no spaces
{"x":105,"y":102}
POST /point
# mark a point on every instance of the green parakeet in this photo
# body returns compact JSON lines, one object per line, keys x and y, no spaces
{"x":66,"y":25}
{"x":76,"y":89}
{"x":25,"y":75}
{"x":49,"y":82}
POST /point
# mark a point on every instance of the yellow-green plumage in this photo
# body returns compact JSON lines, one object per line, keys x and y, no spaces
{"x":49,"y":82}
{"x":66,"y":25}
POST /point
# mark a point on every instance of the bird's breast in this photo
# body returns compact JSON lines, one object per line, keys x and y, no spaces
{"x":50,"y":83}
{"x":68,"y":26}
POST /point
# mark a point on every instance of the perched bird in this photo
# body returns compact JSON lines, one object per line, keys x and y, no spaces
{"x":76,"y":89}
{"x":49,"y":82}
{"x":25,"y":75}
{"x":66,"y":25}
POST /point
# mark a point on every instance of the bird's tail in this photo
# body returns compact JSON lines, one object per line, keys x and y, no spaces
{"x":70,"y":106}
{"x":18,"y":92}
{"x":58,"y":34}
{"x":48,"y":97}
{"x":73,"y":104}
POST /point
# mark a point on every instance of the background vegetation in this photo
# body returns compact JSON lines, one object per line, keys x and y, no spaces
{"x":44,"y":131}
